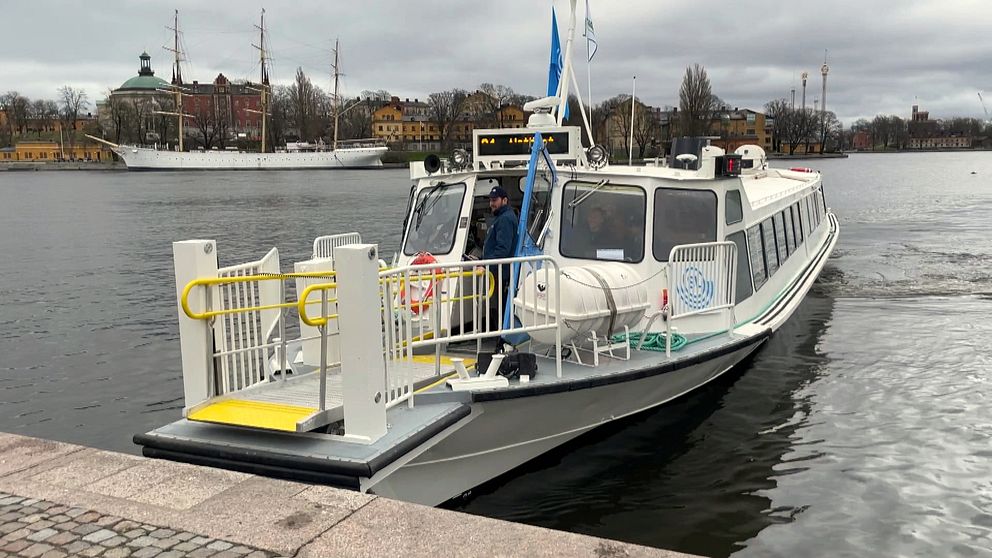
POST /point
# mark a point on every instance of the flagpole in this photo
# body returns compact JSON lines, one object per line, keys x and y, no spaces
{"x":630,"y":146}
{"x":589,"y":85}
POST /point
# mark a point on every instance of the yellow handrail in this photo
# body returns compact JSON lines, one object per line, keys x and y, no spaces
{"x":302,"y":301}
{"x":301,"y":304}
{"x":208,"y":281}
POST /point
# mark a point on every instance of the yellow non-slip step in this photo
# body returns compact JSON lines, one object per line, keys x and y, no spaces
{"x":253,"y":414}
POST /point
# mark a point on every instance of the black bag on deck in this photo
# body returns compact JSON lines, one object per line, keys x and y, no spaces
{"x":514,"y":365}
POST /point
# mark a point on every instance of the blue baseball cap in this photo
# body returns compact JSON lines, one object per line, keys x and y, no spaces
{"x":498,"y":192}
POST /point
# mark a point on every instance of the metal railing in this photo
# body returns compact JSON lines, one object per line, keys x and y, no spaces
{"x":431,"y":305}
{"x":251,"y":307}
{"x":323,"y":246}
{"x":702,"y":278}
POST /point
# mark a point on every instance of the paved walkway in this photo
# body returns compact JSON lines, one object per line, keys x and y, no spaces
{"x":60,"y":499}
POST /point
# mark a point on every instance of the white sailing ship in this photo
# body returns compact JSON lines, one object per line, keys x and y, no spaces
{"x":359,"y":154}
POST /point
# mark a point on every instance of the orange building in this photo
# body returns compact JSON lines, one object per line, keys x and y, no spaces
{"x":50,"y":151}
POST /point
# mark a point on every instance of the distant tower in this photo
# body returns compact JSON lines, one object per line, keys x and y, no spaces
{"x":793,"y":98}
{"x":824,"y":70}
{"x":804,"y":76}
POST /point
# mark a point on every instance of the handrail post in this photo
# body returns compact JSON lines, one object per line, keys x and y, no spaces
{"x":282,"y":330}
{"x":195,"y":259}
{"x":323,"y":349}
{"x":363,"y":364}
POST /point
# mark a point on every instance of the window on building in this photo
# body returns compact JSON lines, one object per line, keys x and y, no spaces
{"x":756,"y":254}
{"x":602,"y":223}
{"x":682,"y":217}
{"x":734,"y":210}
{"x":750,"y":131}
{"x":743,"y":269}
{"x":768,"y":246}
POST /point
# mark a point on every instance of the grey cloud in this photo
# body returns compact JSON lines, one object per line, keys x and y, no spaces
{"x":883,"y":55}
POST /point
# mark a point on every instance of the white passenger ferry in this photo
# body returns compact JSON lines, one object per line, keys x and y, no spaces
{"x":631,"y":286}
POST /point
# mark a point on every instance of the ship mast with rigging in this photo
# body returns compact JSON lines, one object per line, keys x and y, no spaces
{"x":337,"y":107}
{"x":263,"y":89}
{"x":176,"y":87}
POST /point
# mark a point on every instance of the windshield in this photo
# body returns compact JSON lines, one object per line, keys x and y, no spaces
{"x":434,"y":220}
{"x":602,"y":222}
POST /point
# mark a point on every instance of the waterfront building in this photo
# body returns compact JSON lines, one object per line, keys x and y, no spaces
{"x":926,"y":134}
{"x":407,"y":124}
{"x":44,"y":151}
{"x":728,"y":128}
{"x":220,"y":113}
{"x":861,"y":141}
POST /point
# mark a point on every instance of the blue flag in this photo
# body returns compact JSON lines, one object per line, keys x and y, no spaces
{"x":556,"y":65}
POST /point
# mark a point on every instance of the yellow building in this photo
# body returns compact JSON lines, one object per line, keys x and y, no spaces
{"x":50,"y":151}
{"x":741,"y":127}
{"x":408,"y":123}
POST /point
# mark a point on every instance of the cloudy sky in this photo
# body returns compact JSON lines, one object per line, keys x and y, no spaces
{"x":883,"y":55}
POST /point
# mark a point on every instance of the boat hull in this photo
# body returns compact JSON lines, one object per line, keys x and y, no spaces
{"x":501,"y":435}
{"x":144,"y":159}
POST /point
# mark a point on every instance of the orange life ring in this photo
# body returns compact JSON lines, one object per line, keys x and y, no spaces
{"x":422,"y":302}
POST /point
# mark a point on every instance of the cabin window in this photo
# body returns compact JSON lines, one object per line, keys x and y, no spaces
{"x":759,"y":272}
{"x":823,"y":200}
{"x":540,"y":203}
{"x":768,"y":246}
{"x":783,"y":252}
{"x":682,"y":217}
{"x":797,"y":221}
{"x":743,"y":269}
{"x":734,"y":210}
{"x":816,"y":207}
{"x":790,"y":232}
{"x":434,"y":220}
{"x":810,"y":214}
{"x":602,"y":221}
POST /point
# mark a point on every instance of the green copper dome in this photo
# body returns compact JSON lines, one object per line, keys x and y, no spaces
{"x":144,"y":82}
{"x":146,"y":77}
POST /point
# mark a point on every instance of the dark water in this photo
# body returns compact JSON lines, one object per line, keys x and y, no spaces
{"x":862,"y":428}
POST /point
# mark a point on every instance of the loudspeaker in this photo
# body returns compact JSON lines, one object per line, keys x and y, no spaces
{"x":432,"y":163}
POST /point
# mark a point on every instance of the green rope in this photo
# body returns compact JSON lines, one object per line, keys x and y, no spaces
{"x":652,"y":341}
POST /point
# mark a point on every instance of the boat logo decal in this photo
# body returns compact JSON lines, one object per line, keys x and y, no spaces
{"x":694,"y":289}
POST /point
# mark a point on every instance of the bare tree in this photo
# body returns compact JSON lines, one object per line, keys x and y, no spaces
{"x":304,"y":106}
{"x":778,"y":111}
{"x":120,"y":118}
{"x":495,"y":97}
{"x":646,"y":127}
{"x":44,"y":112}
{"x":279,"y":115}
{"x":71,"y":103}
{"x":205,"y":122}
{"x":696,"y":102}
{"x":17,"y":108}
{"x":445,"y":107}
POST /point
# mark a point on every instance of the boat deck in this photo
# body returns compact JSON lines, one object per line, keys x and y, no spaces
{"x":293,"y":405}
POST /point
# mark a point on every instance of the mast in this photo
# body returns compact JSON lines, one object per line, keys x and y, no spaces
{"x":264,"y":89}
{"x":177,"y":78}
{"x":337,"y":74}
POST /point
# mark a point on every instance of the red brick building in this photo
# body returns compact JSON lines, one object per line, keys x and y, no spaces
{"x":224,"y":108}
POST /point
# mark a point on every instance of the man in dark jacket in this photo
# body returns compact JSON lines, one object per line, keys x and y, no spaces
{"x":501,"y":242}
